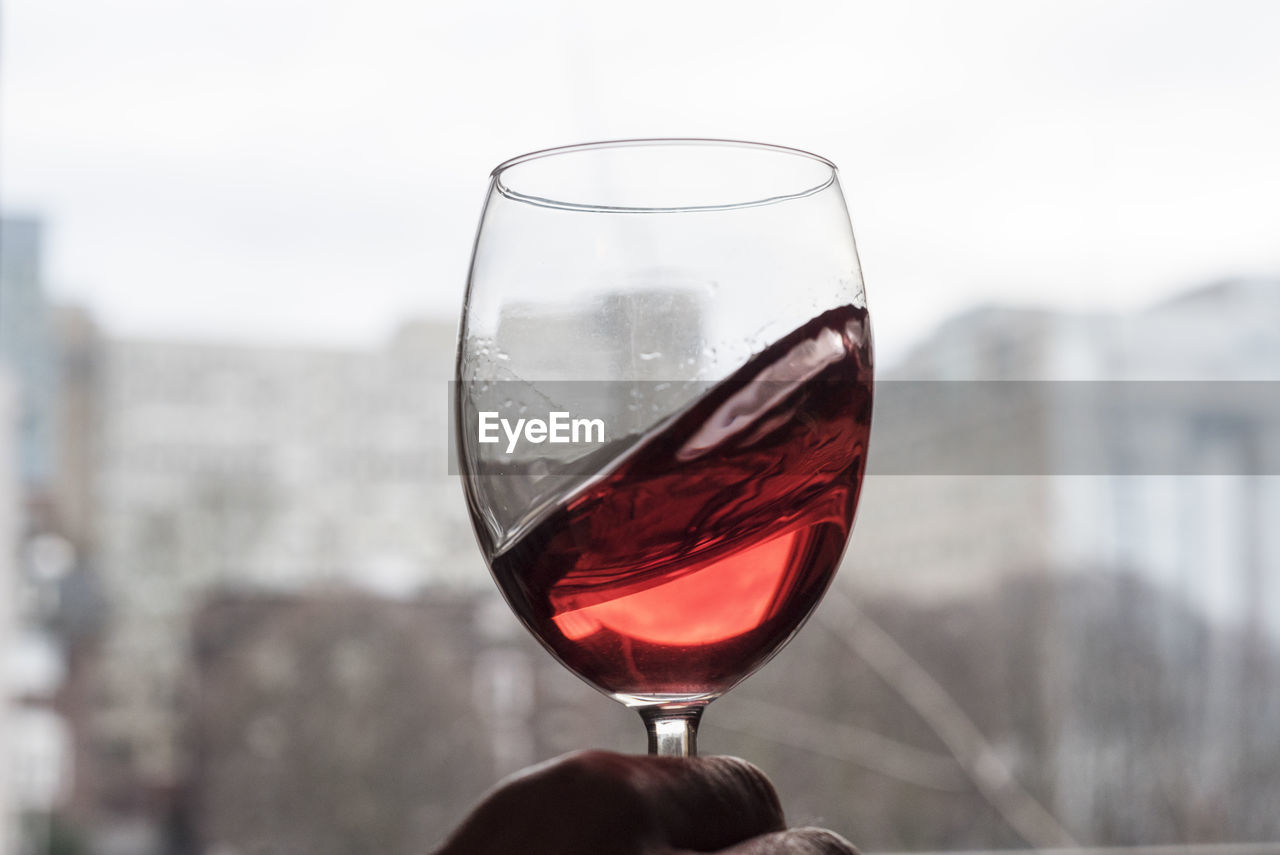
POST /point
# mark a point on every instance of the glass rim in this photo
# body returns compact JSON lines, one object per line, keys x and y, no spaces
{"x":655,"y":142}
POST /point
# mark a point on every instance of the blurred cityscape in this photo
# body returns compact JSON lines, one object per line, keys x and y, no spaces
{"x":242,"y":609}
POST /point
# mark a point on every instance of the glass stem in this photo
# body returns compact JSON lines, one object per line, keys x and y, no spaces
{"x":672,"y":732}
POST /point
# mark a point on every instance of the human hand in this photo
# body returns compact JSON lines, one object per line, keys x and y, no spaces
{"x":598,"y":803}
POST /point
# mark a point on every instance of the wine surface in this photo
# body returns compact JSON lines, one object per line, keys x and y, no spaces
{"x":696,"y":555}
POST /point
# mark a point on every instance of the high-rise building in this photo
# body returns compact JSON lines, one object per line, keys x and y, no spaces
{"x":1139,"y":446}
{"x":219,"y":466}
{"x":25,"y":345}
{"x":8,"y":551}
{"x":1047,"y":440}
{"x":224,"y":466}
{"x":76,"y":348}
{"x":638,"y":348}
{"x":384,"y":697}
{"x":38,"y":744}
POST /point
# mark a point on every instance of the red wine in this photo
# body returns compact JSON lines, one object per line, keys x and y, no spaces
{"x":699,"y":552}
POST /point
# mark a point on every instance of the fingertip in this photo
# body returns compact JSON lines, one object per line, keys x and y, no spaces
{"x":577,"y":802}
{"x":820,"y":841}
{"x":709,"y":803}
{"x":798,"y":841}
{"x":749,"y":779}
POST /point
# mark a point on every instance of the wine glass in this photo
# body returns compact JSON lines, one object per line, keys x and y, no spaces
{"x":663,"y":399}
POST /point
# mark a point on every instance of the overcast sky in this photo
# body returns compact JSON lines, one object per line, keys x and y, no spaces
{"x":304,"y":169}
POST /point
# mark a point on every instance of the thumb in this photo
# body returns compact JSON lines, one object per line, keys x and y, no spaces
{"x":707,"y":803}
{"x":599,"y":803}
{"x":799,"y":841}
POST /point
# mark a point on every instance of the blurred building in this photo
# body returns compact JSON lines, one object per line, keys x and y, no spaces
{"x":1039,"y":444}
{"x":651,"y":334}
{"x":623,"y":360}
{"x":654,"y":337}
{"x":39,"y":754}
{"x":1085,"y":441}
{"x":35,"y":560}
{"x":265,"y":468}
{"x":77,"y":344}
{"x":325,"y":723}
{"x":26,"y":346}
{"x":35,"y":741}
{"x":286,"y":507}
{"x":8,"y":616}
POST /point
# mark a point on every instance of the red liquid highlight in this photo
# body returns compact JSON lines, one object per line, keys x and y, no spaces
{"x":707,"y":545}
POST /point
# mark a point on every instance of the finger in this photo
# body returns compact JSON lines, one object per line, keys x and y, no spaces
{"x":707,"y":803}
{"x":798,"y":841}
{"x":603,"y":803}
{"x":578,"y":803}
